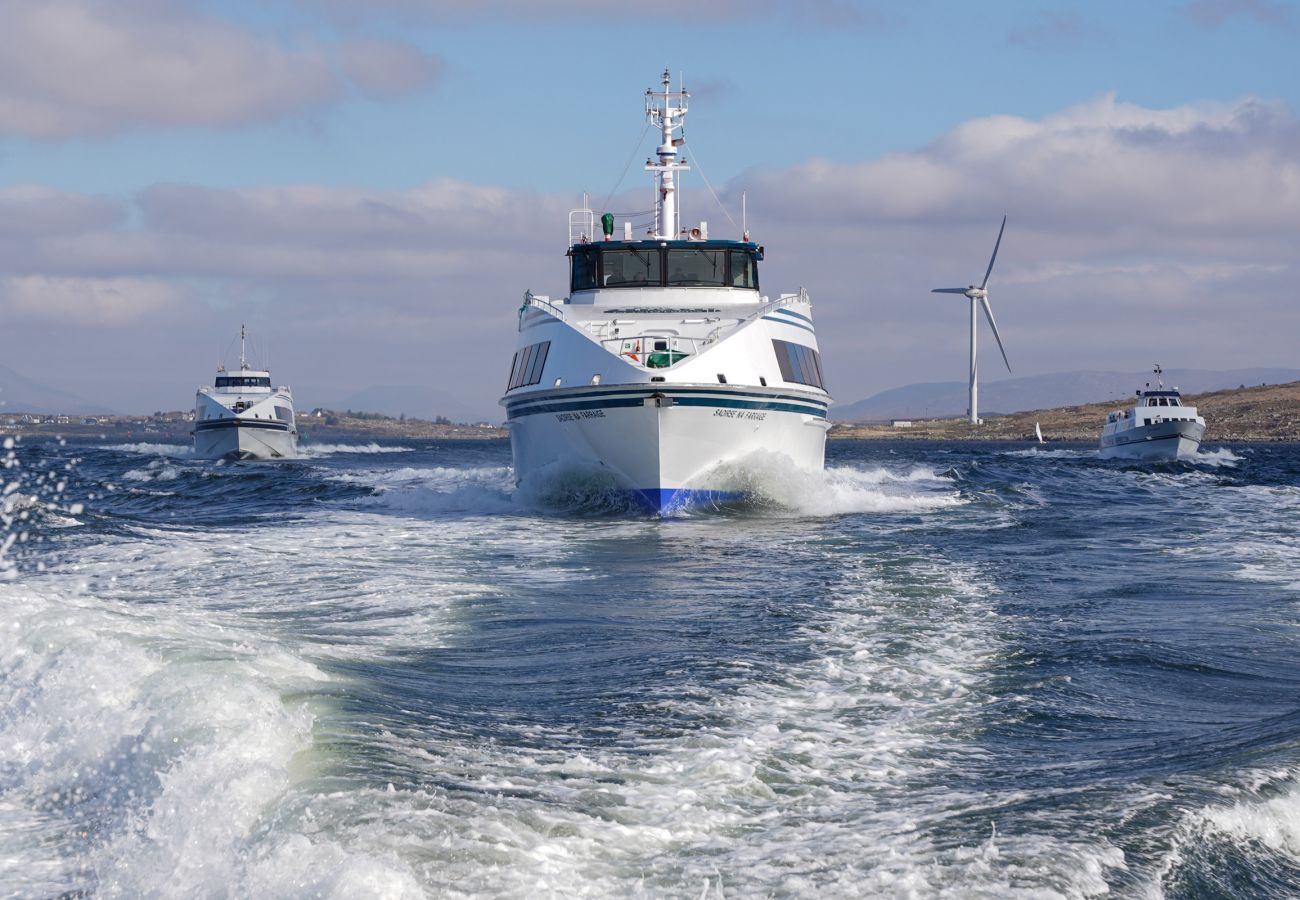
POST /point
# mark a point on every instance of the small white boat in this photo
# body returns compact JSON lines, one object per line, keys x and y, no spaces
{"x":1157,"y":426}
{"x":1039,"y":432}
{"x":241,"y":416}
{"x":665,"y":362}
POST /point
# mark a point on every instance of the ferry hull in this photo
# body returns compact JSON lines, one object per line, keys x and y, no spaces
{"x":244,"y":440}
{"x":1162,"y":440}
{"x":665,"y":448}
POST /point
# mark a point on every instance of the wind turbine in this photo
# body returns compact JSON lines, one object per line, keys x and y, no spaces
{"x":982,"y":295}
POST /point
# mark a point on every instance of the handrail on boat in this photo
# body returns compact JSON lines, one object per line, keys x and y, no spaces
{"x":541,"y":302}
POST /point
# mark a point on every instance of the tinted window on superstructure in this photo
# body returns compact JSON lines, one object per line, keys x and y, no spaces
{"x":528,"y":365}
{"x":744,"y":273}
{"x":584,"y":270}
{"x":538,"y":363}
{"x":630,"y":268}
{"x":697,"y":267}
{"x":799,"y":364}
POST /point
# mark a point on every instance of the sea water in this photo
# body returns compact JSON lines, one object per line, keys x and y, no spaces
{"x":935,"y":670}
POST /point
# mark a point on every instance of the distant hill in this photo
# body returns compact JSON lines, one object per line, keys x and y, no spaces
{"x":948,"y":398}
{"x":19,"y":394}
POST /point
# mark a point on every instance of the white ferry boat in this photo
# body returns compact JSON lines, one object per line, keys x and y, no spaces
{"x":1156,"y":426}
{"x":664,"y":361}
{"x":242,"y":417}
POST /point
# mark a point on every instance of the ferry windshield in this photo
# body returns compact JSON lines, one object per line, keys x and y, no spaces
{"x":697,"y":268}
{"x":630,"y":268}
{"x":623,"y":266}
{"x":242,"y":381}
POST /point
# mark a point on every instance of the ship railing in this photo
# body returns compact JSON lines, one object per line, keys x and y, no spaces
{"x":800,"y":298}
{"x":582,"y":226}
{"x":540,"y":302}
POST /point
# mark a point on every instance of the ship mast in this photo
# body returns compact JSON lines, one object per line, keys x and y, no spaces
{"x":243,"y":362}
{"x":668,"y":118}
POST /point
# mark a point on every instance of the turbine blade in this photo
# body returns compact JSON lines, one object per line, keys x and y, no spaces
{"x":949,"y":290}
{"x":988,"y":313}
{"x":989,"y":271}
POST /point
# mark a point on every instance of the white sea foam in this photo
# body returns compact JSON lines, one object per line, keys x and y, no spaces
{"x":173,"y":450}
{"x":157,"y":470}
{"x":314,"y":450}
{"x":1273,"y":821}
{"x":157,"y":748}
{"x":815,"y":778}
{"x":769,"y":481}
{"x":1214,"y":458}
{"x":1052,"y":453}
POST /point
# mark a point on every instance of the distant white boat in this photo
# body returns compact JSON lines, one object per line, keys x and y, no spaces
{"x":1156,"y":426}
{"x":242,"y":417}
{"x":1038,"y":431}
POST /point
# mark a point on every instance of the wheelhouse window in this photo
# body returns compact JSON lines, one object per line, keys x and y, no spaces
{"x":744,"y":274}
{"x":594,"y":266}
{"x":528,"y":364}
{"x":242,"y":381}
{"x":697,"y":267}
{"x":584,"y":269}
{"x":799,"y":364}
{"x":634,"y":267}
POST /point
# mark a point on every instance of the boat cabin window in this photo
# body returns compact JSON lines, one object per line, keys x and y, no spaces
{"x":528,"y":364}
{"x":584,"y":270}
{"x":595,"y":266}
{"x":242,"y":381}
{"x":630,"y":268}
{"x":742,"y":270}
{"x":799,"y":364}
{"x":697,"y":268}
{"x":283,"y":414}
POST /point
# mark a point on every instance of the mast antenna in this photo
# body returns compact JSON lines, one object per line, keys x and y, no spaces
{"x":666,"y":109}
{"x":243,"y":361}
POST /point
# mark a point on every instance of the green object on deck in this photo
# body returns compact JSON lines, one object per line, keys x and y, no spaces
{"x":607,"y":224}
{"x":662,"y":360}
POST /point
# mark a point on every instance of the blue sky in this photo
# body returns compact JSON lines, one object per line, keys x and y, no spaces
{"x":169,"y":168}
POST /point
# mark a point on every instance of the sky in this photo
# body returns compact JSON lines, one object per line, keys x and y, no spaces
{"x":372,"y":186}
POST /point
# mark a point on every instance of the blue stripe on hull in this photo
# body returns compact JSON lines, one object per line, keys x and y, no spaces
{"x":529,"y":408}
{"x":226,"y":424}
{"x":667,"y":500}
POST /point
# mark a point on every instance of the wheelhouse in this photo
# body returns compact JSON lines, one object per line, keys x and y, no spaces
{"x":685,"y":264}
{"x":1159,"y":398}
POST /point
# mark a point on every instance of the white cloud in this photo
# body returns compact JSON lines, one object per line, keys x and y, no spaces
{"x":1131,"y":230}
{"x":806,"y":13}
{"x":79,"y":67}
{"x":382,"y":68}
{"x":1213,"y":13}
{"x":88,"y":301}
{"x":32,"y":211}
{"x":1119,"y":178}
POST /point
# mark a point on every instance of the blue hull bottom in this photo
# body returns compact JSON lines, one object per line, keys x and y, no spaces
{"x":667,"y":500}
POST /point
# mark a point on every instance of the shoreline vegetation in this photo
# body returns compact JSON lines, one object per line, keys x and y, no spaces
{"x":1259,"y":414}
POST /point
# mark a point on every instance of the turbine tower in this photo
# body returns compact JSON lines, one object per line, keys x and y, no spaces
{"x":982,"y":295}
